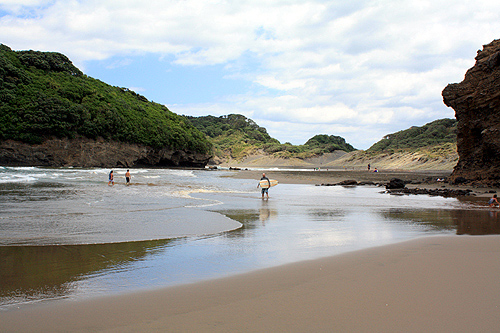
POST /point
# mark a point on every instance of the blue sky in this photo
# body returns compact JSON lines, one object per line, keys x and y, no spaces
{"x":358,"y":69}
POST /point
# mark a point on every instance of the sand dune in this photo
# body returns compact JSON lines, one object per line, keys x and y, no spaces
{"x":441,"y":158}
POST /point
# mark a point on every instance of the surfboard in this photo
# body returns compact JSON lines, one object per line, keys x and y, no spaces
{"x":265,"y":184}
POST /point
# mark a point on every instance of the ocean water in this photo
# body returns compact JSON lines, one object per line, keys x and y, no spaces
{"x":65,"y":234}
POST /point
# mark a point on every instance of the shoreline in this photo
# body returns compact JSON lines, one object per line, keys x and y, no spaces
{"x":429,"y":284}
{"x":290,"y":176}
{"x":425,"y":179}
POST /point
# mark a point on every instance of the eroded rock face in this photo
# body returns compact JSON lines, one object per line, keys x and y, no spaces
{"x":85,"y":152}
{"x":476,"y":101}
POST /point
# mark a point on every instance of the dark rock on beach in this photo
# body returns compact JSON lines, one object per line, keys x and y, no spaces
{"x":395,"y":183}
{"x":476,"y":101}
{"x":444,"y":192}
{"x":459,"y":181}
{"x":348,"y":183}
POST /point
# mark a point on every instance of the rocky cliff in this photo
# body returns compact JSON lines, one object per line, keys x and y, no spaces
{"x":476,"y":101}
{"x":51,"y":114}
{"x":83,"y":152}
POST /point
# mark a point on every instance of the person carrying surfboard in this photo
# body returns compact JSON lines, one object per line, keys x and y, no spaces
{"x":265,"y":189}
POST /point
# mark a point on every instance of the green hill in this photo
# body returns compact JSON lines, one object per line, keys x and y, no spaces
{"x":43,"y":95}
{"x":328,"y":143}
{"x":434,"y":133}
{"x":235,"y":136}
{"x":432,"y":147}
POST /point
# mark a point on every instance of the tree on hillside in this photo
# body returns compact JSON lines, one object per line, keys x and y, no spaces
{"x":434,"y":133}
{"x":329,"y":143}
{"x":43,"y":95}
{"x":238,"y":136}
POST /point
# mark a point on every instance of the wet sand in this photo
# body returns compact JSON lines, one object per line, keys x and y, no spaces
{"x":419,"y":179}
{"x":335,"y":176}
{"x":431,"y":284}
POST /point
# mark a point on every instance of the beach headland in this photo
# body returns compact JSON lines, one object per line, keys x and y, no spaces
{"x":431,"y":284}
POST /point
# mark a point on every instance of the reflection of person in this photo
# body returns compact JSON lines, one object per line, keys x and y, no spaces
{"x":111,"y":179}
{"x":493,"y":201}
{"x":127,"y":177}
{"x":264,"y":212}
{"x":265,"y":190}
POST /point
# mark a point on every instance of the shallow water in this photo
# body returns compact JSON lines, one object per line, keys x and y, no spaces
{"x":65,"y":234}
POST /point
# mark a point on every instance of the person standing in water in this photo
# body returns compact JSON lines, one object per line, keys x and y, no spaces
{"x":127,"y":177}
{"x":265,"y":190}
{"x":493,"y":201}
{"x":111,"y":178}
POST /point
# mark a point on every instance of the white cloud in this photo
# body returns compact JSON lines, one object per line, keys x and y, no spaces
{"x":362,"y":67}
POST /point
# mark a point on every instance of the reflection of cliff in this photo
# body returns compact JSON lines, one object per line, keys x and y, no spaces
{"x":431,"y":219}
{"x":469,"y":222}
{"x":48,"y":271}
{"x":477,"y":222}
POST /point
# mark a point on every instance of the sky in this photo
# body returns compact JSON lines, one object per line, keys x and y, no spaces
{"x":359,"y":69}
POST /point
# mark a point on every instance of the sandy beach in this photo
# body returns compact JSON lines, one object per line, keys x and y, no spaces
{"x":431,"y":284}
{"x":335,"y":176}
{"x":418,"y":179}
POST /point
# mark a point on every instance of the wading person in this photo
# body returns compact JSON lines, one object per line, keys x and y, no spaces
{"x":265,"y":190}
{"x":493,"y":201}
{"x":111,"y":180}
{"x":127,"y":177}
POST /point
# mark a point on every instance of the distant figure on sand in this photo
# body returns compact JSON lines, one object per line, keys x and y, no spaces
{"x":111,"y":179}
{"x":265,"y":190}
{"x":376,"y":170}
{"x":369,"y":166}
{"x":493,"y":201}
{"x":127,"y":177}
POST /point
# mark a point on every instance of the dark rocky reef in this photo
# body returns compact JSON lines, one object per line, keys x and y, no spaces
{"x":442,"y":192}
{"x":476,"y":101}
{"x":398,"y":186}
{"x":83,"y":152}
{"x":349,"y":182}
{"x":395,"y":183}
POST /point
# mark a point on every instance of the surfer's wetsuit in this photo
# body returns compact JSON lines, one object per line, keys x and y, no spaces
{"x":264,"y":190}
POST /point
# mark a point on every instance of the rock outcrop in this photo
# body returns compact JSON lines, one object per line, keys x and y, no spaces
{"x":395,"y":183}
{"x":83,"y":152}
{"x":476,"y":101}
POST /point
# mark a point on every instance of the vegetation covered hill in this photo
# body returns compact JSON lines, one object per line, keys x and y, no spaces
{"x":438,"y":132}
{"x":432,"y":146}
{"x":43,"y":95}
{"x":437,"y":157}
{"x":235,"y":137}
